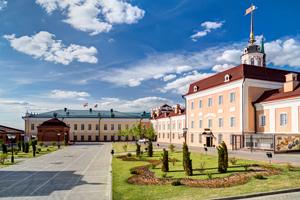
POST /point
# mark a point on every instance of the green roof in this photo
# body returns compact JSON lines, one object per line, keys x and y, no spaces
{"x":90,"y":114}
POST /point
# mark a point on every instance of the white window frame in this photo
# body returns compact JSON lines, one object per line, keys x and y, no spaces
{"x":220,"y":125}
{"x":192,"y":124}
{"x":164,"y":126}
{"x":82,"y":127}
{"x":192,"y":137}
{"x":283,"y":125}
{"x":159,"y":127}
{"x":200,"y":137}
{"x":192,"y":105}
{"x":220,"y":103}
{"x":208,"y":102}
{"x":230,"y":97}
{"x":220,"y":138}
{"x":260,"y":120}
{"x":200,"y":123}
{"x":179,"y":125}
{"x":209,"y":125}
{"x":32,"y":127}
{"x":89,"y":127}
{"x":168,"y":126}
{"x":200,"y":103}
{"x":75,"y":127}
{"x":96,"y":127}
{"x":231,"y":121}
{"x":173,"y":126}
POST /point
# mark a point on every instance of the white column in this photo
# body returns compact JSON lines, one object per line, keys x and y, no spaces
{"x":294,"y":118}
{"x":272,"y":119}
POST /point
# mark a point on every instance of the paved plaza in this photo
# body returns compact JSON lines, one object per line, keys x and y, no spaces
{"x":81,"y":171}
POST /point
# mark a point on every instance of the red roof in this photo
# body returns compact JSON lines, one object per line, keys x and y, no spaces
{"x":9,"y":130}
{"x":277,"y":94}
{"x":240,"y":72}
{"x":170,"y":114}
{"x":54,"y":122}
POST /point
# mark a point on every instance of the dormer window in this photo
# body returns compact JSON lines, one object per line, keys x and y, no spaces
{"x":245,"y":51}
{"x":252,"y":61}
{"x":196,"y":88}
{"x":227,"y":78}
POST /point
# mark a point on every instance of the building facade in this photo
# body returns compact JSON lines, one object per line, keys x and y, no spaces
{"x":88,"y":125}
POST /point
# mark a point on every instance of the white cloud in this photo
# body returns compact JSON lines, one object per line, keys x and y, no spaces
{"x":42,"y":46}
{"x":231,"y":56}
{"x":14,"y":102}
{"x":181,"y":85}
{"x":111,"y":40}
{"x":94,"y":16}
{"x":134,"y":82}
{"x":220,"y":68}
{"x":184,"y":68}
{"x":146,"y":103}
{"x":169,"y":77}
{"x":111,"y":99}
{"x":59,"y":94}
{"x":2,"y":4}
{"x":208,"y":26}
{"x":157,"y":76}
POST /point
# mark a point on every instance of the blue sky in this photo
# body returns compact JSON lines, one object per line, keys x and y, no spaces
{"x":128,"y":55}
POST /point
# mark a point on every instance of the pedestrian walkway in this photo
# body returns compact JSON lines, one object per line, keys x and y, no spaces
{"x":81,"y":171}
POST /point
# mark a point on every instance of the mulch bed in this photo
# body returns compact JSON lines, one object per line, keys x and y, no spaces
{"x":146,"y":177}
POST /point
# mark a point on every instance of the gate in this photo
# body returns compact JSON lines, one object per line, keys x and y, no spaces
{"x":236,"y":142}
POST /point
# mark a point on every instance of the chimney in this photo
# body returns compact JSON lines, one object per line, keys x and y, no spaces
{"x":65,"y":109}
{"x":158,"y":111}
{"x":177,"y":108}
{"x":290,"y":82}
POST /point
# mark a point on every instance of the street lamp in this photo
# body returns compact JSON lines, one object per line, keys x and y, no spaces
{"x":184,"y":133}
{"x":33,"y":148}
{"x":58,"y":134}
{"x":66,"y":138}
{"x":11,"y":137}
{"x":73,"y":137}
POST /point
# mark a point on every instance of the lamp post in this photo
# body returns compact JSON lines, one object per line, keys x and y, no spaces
{"x":58,"y":134}
{"x":73,"y":137}
{"x":142,"y":135}
{"x":33,"y":148}
{"x":184,"y":133}
{"x":11,"y":137}
{"x":66,"y":138}
{"x":23,"y":135}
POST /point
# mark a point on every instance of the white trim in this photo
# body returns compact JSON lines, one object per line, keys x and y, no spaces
{"x":219,"y":99}
{"x":200,"y":104}
{"x":201,"y":123}
{"x":210,"y":115}
{"x":295,"y":118}
{"x":220,"y":111}
{"x":233,"y":92}
{"x":192,"y":127}
{"x":200,"y":114}
{"x":219,"y":122}
{"x":208,"y":122}
{"x":234,"y":121}
{"x":287,"y":122}
{"x":232,"y":109}
{"x":192,"y":115}
{"x":208,"y":101}
{"x":192,"y":107}
{"x":260,"y":117}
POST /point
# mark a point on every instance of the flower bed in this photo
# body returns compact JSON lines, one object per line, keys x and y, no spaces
{"x":146,"y":177}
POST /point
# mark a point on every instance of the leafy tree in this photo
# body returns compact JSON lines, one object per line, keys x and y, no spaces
{"x":19,"y":145}
{"x":138,"y":149}
{"x":187,"y":162}
{"x":151,"y":132}
{"x":138,"y":130}
{"x":150,"y":149}
{"x":4,"y":148}
{"x":23,"y":146}
{"x":223,"y":158}
{"x":127,"y":132}
{"x":26,"y":147}
{"x":165,"y":161}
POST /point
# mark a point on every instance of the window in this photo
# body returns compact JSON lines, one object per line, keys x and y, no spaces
{"x":97,"y":127}
{"x":209,"y":102}
{"x":192,"y":137}
{"x":164,"y":126}
{"x":252,"y":61}
{"x":258,"y":62}
{"x":195,"y":88}
{"x":75,"y":127}
{"x":160,"y":127}
{"x":133,"y":125}
{"x":220,"y":99}
{"x":89,"y":138}
{"x":126,"y":126}
{"x":159,"y":135}
{"x":173,"y":126}
{"x":200,"y":123}
{"x":112,"y":127}
{"x":31,"y":126}
{"x":200,"y":137}
{"x":178,"y":136}
{"x":200,"y":103}
{"x":105,"y":127}
{"x":82,"y":127}
{"x":262,"y":120}
{"x":163,"y":135}
{"x":192,"y":105}
{"x":75,"y":138}
{"x":232,"y":121}
{"x":232,"y":97}
{"x":89,"y":127}
{"x":155,"y":127}
{"x":82,"y":137}
{"x":231,"y":139}
{"x":173,"y":135}
{"x":179,"y":125}
{"x":119,"y":126}
{"x":220,"y":138}
{"x":192,"y":124}
{"x":168,"y":135}
{"x":168,"y":126}
{"x":283,"y":119}
{"x":68,"y":125}
{"x":209,"y":123}
{"x":227,"y":77}
{"x":221,"y":122}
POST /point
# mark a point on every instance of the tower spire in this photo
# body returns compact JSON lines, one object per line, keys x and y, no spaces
{"x":251,"y":9}
{"x":262,"y":44}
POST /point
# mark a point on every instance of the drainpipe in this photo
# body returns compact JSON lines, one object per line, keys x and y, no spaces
{"x":156,"y":128}
{"x":170,"y":129}
{"x":185,"y":118}
{"x":243,"y":134}
{"x":99,"y":126}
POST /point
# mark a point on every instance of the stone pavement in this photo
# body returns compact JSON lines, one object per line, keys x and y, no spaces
{"x":284,"y":196}
{"x":81,"y":171}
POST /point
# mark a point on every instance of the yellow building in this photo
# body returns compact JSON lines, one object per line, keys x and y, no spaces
{"x":89,"y":125}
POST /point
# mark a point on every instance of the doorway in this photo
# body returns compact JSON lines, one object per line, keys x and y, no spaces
{"x":209,"y":141}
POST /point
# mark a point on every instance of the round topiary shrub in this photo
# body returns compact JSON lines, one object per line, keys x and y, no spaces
{"x":133,"y":172}
{"x":258,"y":176}
{"x":129,"y":155}
{"x":176,"y":183}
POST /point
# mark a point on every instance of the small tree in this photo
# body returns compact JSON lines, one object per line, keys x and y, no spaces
{"x":41,"y":144}
{"x":187,"y":162}
{"x":26,"y":147}
{"x":138,"y":149}
{"x":150,"y":149}
{"x":3,"y":157}
{"x":33,"y":146}
{"x":23,"y":146}
{"x":4,"y":148}
{"x":137,"y":130}
{"x":171,"y":147}
{"x":165,"y":161}
{"x":19,"y":145}
{"x":124,"y":147}
{"x":223,"y":158}
{"x":64,"y":142}
{"x":53,"y":143}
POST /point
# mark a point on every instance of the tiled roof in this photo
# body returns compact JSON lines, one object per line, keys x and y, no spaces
{"x":277,"y":94}
{"x":9,"y":130}
{"x":239,"y":72}
{"x":170,"y":114}
{"x":54,"y":122}
{"x":90,"y":114}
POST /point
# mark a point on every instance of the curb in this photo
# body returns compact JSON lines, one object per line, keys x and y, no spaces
{"x":259,"y":194}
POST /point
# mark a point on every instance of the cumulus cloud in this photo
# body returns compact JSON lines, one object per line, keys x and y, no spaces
{"x":181,"y":85}
{"x":157,"y":76}
{"x":231,"y":56}
{"x":94,"y":16}
{"x":43,"y":46}
{"x":14,"y":102}
{"x":169,"y":77}
{"x":59,"y":94}
{"x":146,"y":103}
{"x":184,"y":68}
{"x":208,"y":26}
{"x":111,"y":99}
{"x":220,"y":68}
{"x":111,"y":40}
{"x":2,"y":4}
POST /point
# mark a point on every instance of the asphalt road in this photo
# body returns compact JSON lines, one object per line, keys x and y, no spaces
{"x":81,"y":171}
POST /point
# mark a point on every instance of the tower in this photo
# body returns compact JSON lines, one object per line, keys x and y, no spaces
{"x":254,"y":54}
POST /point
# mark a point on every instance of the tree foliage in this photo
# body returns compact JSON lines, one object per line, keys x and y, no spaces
{"x":223,"y":158}
{"x":151,"y":132}
{"x":138,"y":149}
{"x":150,"y":149}
{"x":187,"y":162}
{"x":165,"y":161}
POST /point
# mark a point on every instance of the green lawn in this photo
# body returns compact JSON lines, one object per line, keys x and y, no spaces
{"x":123,"y":190}
{"x":117,"y":147}
{"x":7,"y":163}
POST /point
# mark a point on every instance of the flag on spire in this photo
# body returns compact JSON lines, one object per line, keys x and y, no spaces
{"x":252,"y":8}
{"x":262,"y":45}
{"x":85,"y":105}
{"x":96,"y":106}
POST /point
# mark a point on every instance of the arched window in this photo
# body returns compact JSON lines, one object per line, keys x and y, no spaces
{"x":258,"y":62}
{"x":252,"y":61}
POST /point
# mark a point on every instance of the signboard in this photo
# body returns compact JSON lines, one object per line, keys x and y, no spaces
{"x":287,"y":142}
{"x":207,"y":129}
